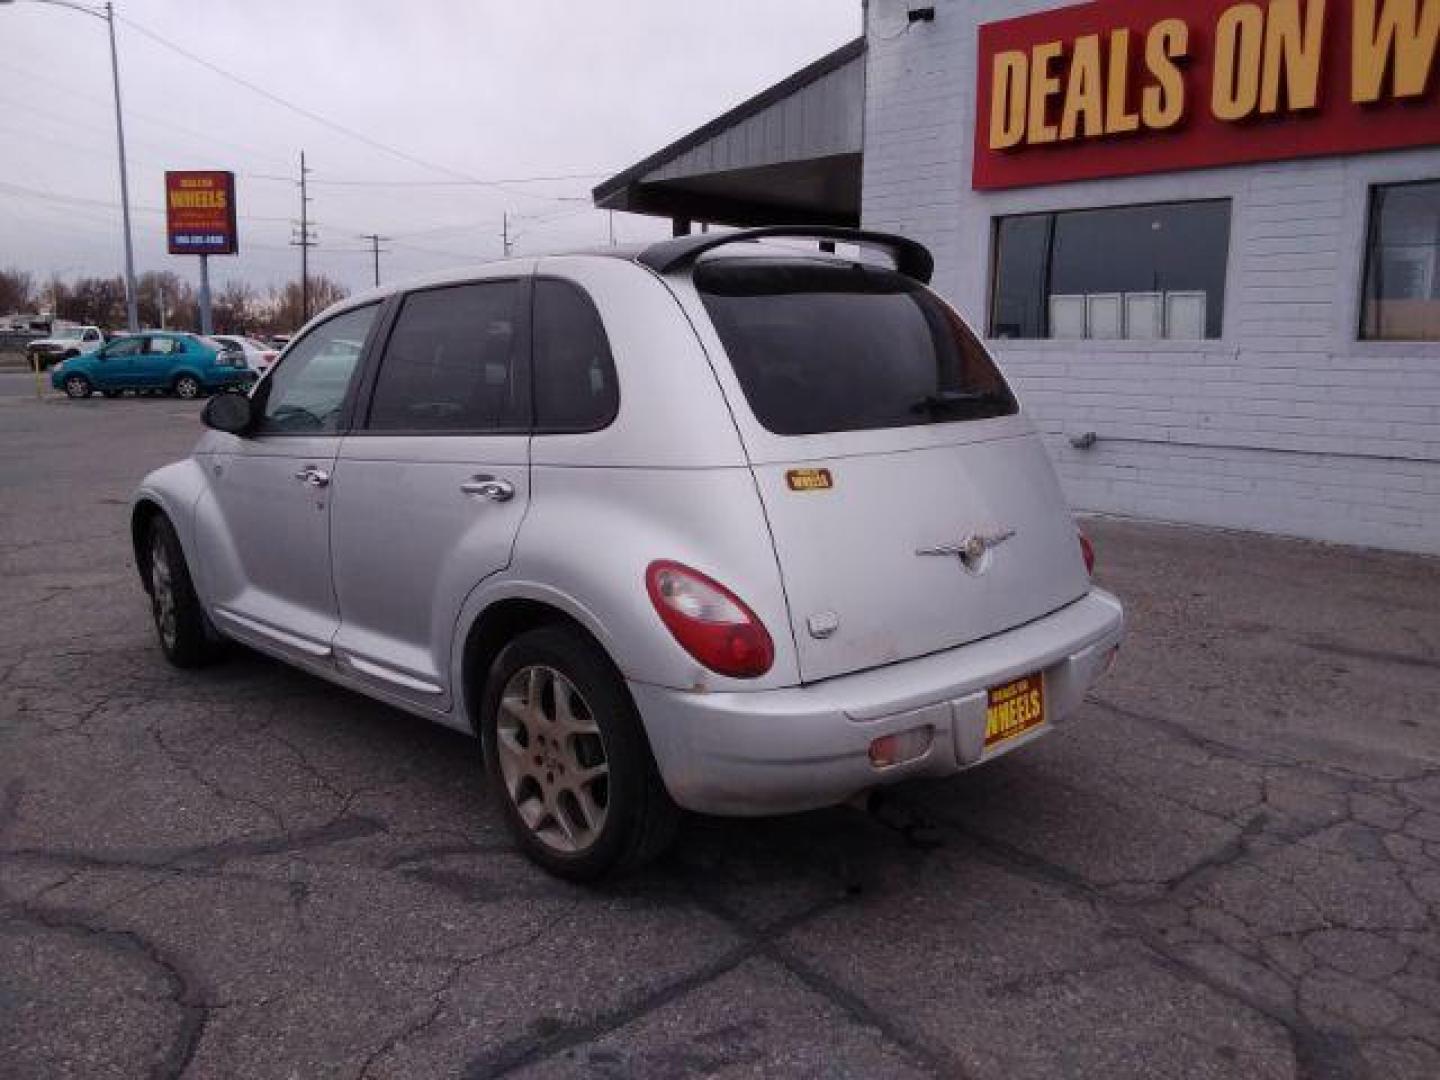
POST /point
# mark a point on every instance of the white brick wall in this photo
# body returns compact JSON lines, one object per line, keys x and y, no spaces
{"x":1286,"y":424}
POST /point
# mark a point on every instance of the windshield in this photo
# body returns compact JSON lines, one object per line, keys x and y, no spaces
{"x":824,"y":347}
{"x":68,"y":334}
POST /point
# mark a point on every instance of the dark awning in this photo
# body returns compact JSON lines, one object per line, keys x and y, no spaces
{"x":789,"y":155}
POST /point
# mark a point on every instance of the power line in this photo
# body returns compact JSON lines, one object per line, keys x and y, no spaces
{"x":40,"y":79}
{"x":299,"y":110}
{"x":466,"y":183}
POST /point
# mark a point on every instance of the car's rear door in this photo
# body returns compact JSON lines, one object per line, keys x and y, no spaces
{"x":913,"y":508}
{"x":432,"y":485}
{"x":154,"y":368}
{"x":263,"y":524}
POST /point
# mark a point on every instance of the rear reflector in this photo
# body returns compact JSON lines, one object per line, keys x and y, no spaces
{"x":709,"y":622}
{"x":905,"y":746}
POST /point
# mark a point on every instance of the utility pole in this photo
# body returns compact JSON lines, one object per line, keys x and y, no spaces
{"x":505,"y":232}
{"x":375,"y":242}
{"x":106,"y":12}
{"x":305,"y":241}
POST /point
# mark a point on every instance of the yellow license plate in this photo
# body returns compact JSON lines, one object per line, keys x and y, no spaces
{"x":1014,"y":708}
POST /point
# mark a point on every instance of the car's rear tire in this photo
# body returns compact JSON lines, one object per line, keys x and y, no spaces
{"x":186,"y":636}
{"x":567,"y":758}
{"x":187,"y":387}
{"x":77,"y":386}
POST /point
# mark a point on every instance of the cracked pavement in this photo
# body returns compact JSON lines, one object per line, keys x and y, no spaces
{"x":1226,"y":865}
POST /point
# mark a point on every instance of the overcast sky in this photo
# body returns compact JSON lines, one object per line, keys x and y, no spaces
{"x":485,"y":89}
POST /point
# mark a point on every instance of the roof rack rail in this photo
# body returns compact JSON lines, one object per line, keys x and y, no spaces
{"x":912,"y":258}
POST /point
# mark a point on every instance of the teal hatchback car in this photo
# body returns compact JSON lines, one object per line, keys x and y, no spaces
{"x":186,"y":365}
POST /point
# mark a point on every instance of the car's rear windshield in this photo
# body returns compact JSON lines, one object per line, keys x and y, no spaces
{"x":825,"y":347}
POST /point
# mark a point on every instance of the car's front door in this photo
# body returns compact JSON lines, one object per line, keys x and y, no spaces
{"x":114,"y":365}
{"x":264,"y":522}
{"x":431,"y":487}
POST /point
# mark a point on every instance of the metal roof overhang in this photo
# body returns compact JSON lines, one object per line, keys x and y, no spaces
{"x":790,"y":155}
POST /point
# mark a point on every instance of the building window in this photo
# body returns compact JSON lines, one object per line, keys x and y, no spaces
{"x":1132,"y":272}
{"x":1402,"y":264}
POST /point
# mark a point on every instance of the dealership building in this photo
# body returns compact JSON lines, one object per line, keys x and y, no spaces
{"x":1202,"y":236}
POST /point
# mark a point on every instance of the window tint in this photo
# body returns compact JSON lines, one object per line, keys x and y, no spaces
{"x":123,"y":347}
{"x":837,"y":347}
{"x":92,"y":335}
{"x":306,"y":394}
{"x":575,"y":387}
{"x":450,"y":362}
{"x":1139,"y":272}
{"x":1402,"y":264}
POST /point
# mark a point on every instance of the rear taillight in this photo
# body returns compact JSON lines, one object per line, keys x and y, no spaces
{"x":1087,"y":549}
{"x":710,"y":622}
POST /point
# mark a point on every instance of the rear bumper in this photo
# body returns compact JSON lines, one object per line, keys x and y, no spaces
{"x":781,"y":751}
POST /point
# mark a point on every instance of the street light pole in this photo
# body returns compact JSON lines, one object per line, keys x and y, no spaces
{"x":132,"y":311}
{"x":132,"y":301}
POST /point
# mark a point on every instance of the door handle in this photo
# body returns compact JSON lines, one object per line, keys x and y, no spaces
{"x":314,"y":476}
{"x":487,"y":487}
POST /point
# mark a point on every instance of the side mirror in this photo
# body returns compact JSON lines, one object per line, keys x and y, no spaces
{"x":230,"y":413}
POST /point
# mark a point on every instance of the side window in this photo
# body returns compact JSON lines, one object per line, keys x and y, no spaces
{"x":575,"y":386}
{"x":163,"y":346}
{"x":123,"y":347}
{"x":306,"y":394}
{"x":92,"y":335}
{"x":450,"y":363}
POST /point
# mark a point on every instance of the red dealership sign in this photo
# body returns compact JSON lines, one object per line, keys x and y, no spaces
{"x":200,"y":213}
{"x":1123,"y":87}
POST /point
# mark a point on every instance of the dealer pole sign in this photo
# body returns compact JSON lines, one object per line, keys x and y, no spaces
{"x":200,"y":220}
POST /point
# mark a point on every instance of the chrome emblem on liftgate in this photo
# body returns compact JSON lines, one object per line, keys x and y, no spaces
{"x":973,"y":552}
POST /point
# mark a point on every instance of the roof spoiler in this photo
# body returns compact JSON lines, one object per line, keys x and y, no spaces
{"x":912,"y":259}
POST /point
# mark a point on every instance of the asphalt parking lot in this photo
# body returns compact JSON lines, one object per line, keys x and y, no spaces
{"x":1228,"y":865}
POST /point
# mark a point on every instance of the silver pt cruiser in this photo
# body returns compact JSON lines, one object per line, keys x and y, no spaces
{"x":728,"y":524}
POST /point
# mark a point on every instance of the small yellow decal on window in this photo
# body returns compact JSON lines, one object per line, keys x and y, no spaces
{"x":809,"y":479}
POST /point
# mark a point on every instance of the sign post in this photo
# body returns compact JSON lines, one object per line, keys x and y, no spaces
{"x":207,"y":319}
{"x":200,"y":220}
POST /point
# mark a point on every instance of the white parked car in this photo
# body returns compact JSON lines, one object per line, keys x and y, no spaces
{"x":258,"y":355}
{"x":716,"y":524}
{"x":63,"y":343}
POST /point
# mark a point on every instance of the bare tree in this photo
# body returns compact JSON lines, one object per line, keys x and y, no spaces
{"x":93,"y":300}
{"x":166,"y":299}
{"x":282,"y":307}
{"x":234,"y":308}
{"x":17,"y":292}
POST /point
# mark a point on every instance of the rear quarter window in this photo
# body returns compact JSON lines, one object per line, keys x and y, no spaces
{"x":575,"y":384}
{"x":829,"y":347}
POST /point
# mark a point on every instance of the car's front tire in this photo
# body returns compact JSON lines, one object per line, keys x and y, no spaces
{"x":187,"y":387}
{"x":185,"y":634}
{"x":567,"y":757}
{"x":77,"y":386}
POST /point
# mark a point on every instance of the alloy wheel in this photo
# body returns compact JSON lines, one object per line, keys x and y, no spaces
{"x":186,"y":387}
{"x":552,"y":758}
{"x":76,"y":387}
{"x":162,"y":592}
